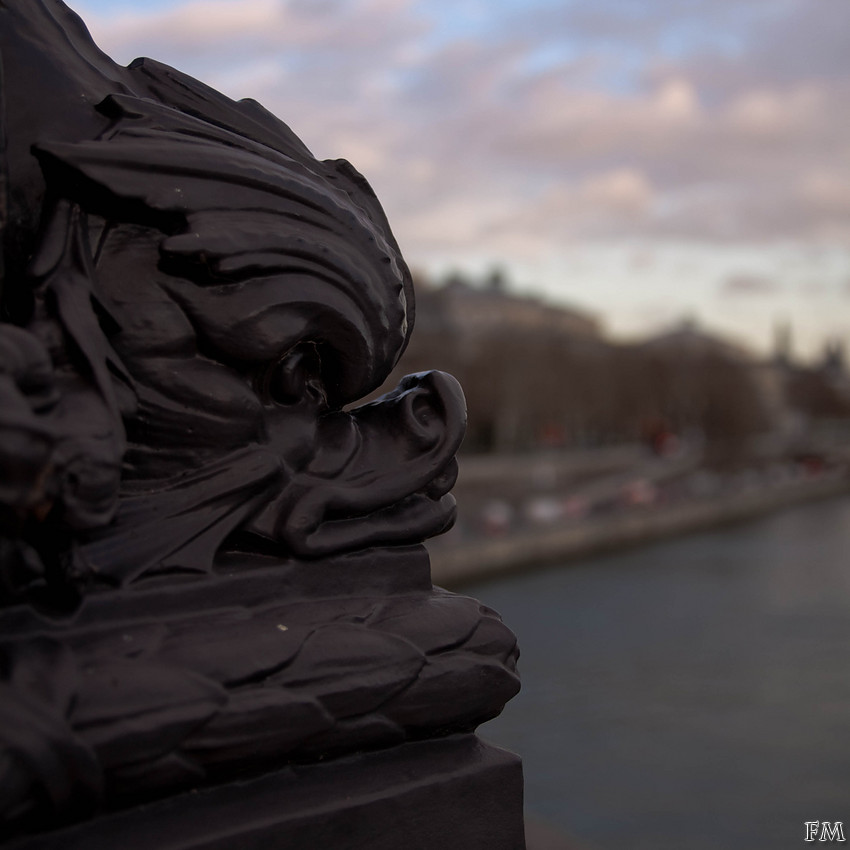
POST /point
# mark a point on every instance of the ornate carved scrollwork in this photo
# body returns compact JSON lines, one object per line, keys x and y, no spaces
{"x":210,"y":562}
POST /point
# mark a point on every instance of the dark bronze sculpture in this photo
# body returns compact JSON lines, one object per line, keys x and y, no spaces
{"x":210,"y":563}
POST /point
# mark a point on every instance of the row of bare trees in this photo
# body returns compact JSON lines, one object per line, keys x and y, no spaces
{"x":553,"y":380}
{"x":529,"y":388}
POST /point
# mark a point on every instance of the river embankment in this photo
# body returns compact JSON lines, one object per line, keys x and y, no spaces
{"x":667,"y":509}
{"x":688,"y":694}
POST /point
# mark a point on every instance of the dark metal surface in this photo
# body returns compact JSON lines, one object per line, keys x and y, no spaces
{"x":211,"y":560}
{"x":454,"y":792}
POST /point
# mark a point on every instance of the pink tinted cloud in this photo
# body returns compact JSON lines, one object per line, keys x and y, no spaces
{"x":471,"y":135}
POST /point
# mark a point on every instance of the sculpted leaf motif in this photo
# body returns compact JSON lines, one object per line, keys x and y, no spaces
{"x":351,"y":670}
{"x":232,"y":648}
{"x":134,"y":711}
{"x":256,"y":726}
{"x":42,"y":759}
{"x":433,"y":624}
{"x":479,"y":687}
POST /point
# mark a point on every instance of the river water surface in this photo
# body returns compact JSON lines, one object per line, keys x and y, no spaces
{"x":692,"y":694}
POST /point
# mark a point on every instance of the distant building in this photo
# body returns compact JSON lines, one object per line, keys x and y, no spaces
{"x":834,"y":366}
{"x":783,"y":349}
{"x":688,"y":339}
{"x":479,"y":309}
{"x":806,"y":402}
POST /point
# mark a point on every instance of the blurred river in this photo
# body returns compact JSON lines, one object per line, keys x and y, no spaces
{"x":692,"y":694}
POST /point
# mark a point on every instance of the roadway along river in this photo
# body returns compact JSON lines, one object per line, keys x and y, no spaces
{"x":692,"y":694}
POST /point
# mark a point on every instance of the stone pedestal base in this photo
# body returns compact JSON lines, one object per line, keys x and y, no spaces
{"x":454,"y":793}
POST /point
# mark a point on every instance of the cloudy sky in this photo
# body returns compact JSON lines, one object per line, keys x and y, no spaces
{"x":648,"y":160}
